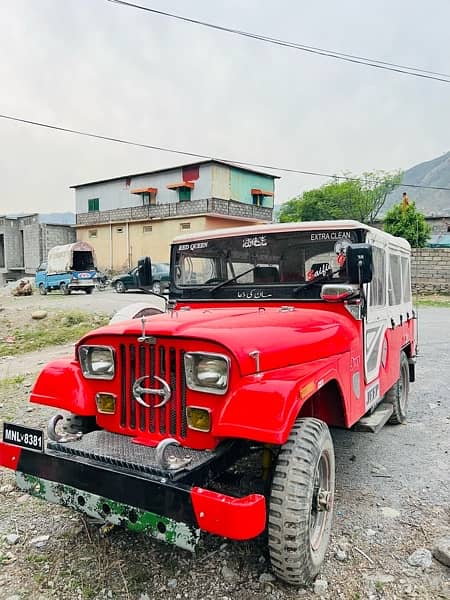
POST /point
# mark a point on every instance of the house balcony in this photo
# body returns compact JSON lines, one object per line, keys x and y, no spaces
{"x":208,"y":206}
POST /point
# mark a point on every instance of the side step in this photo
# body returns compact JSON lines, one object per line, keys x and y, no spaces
{"x":375,"y":421}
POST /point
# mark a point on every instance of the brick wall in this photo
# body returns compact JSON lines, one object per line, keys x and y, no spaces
{"x":431,"y":270}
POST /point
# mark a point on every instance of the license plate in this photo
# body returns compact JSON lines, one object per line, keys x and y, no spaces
{"x":25,"y":437}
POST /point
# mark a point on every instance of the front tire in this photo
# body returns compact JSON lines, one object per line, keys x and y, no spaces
{"x":120,"y":287}
{"x":42,"y":289}
{"x":301,"y":502}
{"x":88,"y":290}
{"x":399,"y":393}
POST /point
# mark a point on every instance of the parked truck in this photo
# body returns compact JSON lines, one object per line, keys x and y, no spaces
{"x":214,"y":417}
{"x":68,"y":268}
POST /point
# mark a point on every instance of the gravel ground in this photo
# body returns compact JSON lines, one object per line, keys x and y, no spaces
{"x":392,"y":499}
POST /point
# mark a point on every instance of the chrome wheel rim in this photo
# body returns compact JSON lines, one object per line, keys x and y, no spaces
{"x":321,"y":504}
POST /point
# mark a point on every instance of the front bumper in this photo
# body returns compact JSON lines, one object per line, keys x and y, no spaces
{"x":168,"y":509}
{"x":81,"y":283}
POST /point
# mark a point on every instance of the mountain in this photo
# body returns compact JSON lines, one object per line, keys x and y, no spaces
{"x":435,"y":173}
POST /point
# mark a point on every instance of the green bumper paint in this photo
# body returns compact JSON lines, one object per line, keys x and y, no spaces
{"x":110,"y":511}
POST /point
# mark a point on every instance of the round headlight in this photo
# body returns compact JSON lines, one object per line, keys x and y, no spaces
{"x":101,"y":361}
{"x":97,"y":362}
{"x":207,"y":372}
{"x":212,"y":371}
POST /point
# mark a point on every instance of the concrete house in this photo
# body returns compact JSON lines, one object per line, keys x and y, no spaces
{"x":137,"y":215}
{"x":25,"y":242}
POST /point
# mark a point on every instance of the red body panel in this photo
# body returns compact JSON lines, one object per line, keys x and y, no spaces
{"x":62,"y":385}
{"x":235,"y":518}
{"x":9,"y":456}
{"x":301,"y":350}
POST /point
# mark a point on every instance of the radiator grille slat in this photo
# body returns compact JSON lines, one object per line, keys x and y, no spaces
{"x":166,"y":362}
{"x":132,"y":372}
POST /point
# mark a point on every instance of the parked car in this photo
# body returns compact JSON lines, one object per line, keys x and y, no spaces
{"x":129,"y":281}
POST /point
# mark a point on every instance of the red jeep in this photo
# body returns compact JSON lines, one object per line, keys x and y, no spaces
{"x":273,"y":333}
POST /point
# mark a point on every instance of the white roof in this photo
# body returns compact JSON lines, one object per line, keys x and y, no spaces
{"x":264,"y":228}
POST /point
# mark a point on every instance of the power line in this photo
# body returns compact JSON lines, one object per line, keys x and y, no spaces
{"x":378,"y":64}
{"x":206,"y":156}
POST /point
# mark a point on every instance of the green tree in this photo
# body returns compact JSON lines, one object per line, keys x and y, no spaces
{"x":408,"y":223}
{"x":359,"y":198}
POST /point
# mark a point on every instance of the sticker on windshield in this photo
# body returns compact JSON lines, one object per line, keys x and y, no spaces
{"x":340,"y":249}
{"x":324,"y":236}
{"x":253,"y":294}
{"x":255,"y":242}
{"x":194,"y":246}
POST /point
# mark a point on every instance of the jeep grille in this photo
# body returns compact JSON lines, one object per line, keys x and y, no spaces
{"x":136,"y":360}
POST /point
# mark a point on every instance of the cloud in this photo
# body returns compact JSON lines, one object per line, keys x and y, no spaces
{"x":92,"y":65}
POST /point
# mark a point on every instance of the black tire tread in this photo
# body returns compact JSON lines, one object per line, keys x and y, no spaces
{"x":290,"y":502}
{"x":392,"y":395}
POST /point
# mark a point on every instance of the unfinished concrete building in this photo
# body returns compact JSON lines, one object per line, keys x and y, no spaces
{"x":25,"y":242}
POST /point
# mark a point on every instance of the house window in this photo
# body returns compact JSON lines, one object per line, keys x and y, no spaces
{"x":184,"y":194}
{"x":119,"y":229}
{"x":184,"y":190}
{"x":259,"y":195}
{"x":184,"y":226}
{"x":147,"y":228}
{"x":93,"y":204}
{"x":147,"y":194}
{"x":92,"y":233}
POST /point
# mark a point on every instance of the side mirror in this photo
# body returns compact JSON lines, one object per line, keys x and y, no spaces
{"x":336,"y":292}
{"x":144,"y":272}
{"x":359,"y":263}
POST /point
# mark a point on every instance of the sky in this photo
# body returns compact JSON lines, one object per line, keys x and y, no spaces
{"x":100,"y":67}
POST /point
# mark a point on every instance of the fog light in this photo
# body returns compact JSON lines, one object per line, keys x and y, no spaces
{"x":106,"y":403}
{"x":198,"y":418}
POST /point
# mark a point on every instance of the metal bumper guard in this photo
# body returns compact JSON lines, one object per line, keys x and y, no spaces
{"x":168,"y":510}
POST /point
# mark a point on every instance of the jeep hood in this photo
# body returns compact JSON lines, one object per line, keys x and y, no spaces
{"x":282,"y":336}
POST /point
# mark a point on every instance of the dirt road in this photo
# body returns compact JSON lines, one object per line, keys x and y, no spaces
{"x":393,"y":493}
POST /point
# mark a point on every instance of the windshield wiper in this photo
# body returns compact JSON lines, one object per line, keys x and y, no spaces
{"x":227,"y":281}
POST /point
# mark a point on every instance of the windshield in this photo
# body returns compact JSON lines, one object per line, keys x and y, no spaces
{"x":269,"y":265}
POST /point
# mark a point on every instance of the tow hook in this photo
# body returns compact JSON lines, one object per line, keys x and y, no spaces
{"x":61,"y":438}
{"x":168,"y":457}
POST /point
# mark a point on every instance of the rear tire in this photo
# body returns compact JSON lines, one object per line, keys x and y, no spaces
{"x":42,"y":289}
{"x":301,"y":502}
{"x":399,"y":393}
{"x":64,"y":289}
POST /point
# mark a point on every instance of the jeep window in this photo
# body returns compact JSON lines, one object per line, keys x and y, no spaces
{"x":275,"y":260}
{"x":377,"y":294}
{"x":395,"y":280}
{"x":406,"y":277}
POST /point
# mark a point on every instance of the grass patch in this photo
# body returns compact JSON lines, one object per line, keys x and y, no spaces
{"x":441,"y":301}
{"x":11,"y":381}
{"x":59,"y":328}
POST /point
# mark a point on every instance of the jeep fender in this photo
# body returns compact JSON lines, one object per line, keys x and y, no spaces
{"x":62,"y":385}
{"x":265,"y":407}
